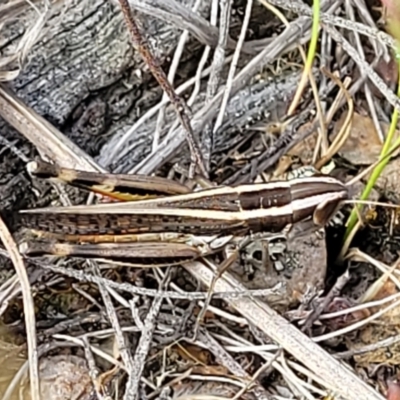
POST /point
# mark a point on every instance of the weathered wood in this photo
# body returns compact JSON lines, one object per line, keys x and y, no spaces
{"x":85,"y":78}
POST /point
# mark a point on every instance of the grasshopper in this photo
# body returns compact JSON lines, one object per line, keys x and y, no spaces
{"x":176,"y":227}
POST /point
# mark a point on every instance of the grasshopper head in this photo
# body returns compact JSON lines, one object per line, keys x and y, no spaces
{"x":317,"y":196}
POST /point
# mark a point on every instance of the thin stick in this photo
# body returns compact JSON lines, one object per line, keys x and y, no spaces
{"x":171,"y":75}
{"x":215,"y":75}
{"x":159,"y":75}
{"x":345,"y":130}
{"x":339,"y":378}
{"x":30,"y":321}
{"x":135,"y":290}
{"x":144,"y":346}
{"x":232,"y":69}
{"x":49,"y":141}
{"x":307,"y":70}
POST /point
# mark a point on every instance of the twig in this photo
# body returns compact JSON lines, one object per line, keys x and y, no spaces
{"x":385,"y":343}
{"x":364,"y":67}
{"x":367,"y":90}
{"x":14,"y":149}
{"x":356,"y":325}
{"x":74,"y":341}
{"x":301,"y":8}
{"x":238,"y":344}
{"x":215,"y":75}
{"x":283,"y":42}
{"x":93,"y":370}
{"x":227,"y":263}
{"x":335,"y":291}
{"x":112,"y":314}
{"x":365,"y":15}
{"x":171,"y":75}
{"x":232,"y":69}
{"x":127,"y":287}
{"x":299,"y":386}
{"x":29,"y":310}
{"x":225,"y":359}
{"x":345,"y":130}
{"x":256,"y":375}
{"x":158,"y":73}
{"x":338,"y":378}
{"x":46,"y":138}
{"x":143,"y":346}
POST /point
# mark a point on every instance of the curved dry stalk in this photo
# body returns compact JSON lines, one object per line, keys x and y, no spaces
{"x":29,"y":309}
{"x":339,"y":378}
{"x":345,"y":130}
{"x":159,"y":74}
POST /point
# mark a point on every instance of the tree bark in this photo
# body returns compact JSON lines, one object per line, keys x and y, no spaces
{"x":85,"y":78}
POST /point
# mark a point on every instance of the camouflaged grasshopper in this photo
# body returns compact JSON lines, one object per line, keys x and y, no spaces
{"x":154,"y":230}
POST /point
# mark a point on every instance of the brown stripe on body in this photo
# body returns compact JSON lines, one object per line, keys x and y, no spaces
{"x":276,"y":196}
{"x":221,"y":202}
{"x":270,"y":224}
{"x":129,"y":238}
{"x":316,"y":198}
{"x":122,"y":224}
{"x":241,"y":199}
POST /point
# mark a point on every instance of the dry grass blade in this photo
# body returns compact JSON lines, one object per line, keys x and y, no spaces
{"x":29,"y":312}
{"x":10,"y":64}
{"x":158,"y":73}
{"x":232,"y":68}
{"x":171,"y":76}
{"x":121,"y":340}
{"x":209,"y":111}
{"x":214,"y":81}
{"x":50,"y":142}
{"x":345,"y":131}
{"x":366,"y":69}
{"x":144,"y":346}
{"x":337,"y":377}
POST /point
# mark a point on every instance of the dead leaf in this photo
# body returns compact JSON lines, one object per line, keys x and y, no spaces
{"x":211,"y":370}
{"x":193,"y":353}
{"x":363,"y":147}
{"x":305,"y":149}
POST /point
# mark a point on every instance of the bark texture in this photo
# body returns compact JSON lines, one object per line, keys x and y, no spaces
{"x":84,"y":77}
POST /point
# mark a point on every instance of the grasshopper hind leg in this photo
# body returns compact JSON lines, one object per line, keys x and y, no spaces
{"x":136,"y":254}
